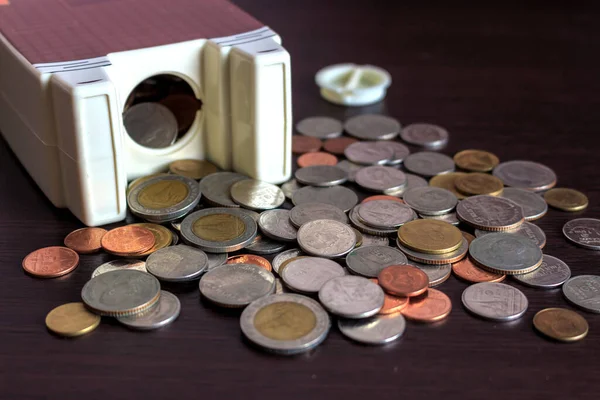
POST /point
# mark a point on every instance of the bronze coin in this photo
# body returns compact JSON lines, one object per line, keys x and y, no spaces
{"x":128,"y":240}
{"x":383,"y":197}
{"x":316,"y":158}
{"x":305,"y":144}
{"x":391,"y":304}
{"x":338,"y":145}
{"x":429,"y":307}
{"x":403,"y":280}
{"x":51,"y":262}
{"x":465,"y":269}
{"x":250,"y":259}
{"x":85,"y":240}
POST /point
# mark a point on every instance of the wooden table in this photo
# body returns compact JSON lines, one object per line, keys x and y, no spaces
{"x":521,"y":82}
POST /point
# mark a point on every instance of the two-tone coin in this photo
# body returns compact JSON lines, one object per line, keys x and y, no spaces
{"x":526,"y":175}
{"x":551,"y":274}
{"x":194,"y":169}
{"x":490,"y":213}
{"x":527,"y":230}
{"x":308,"y":274}
{"x":216,"y":188}
{"x":584,"y":232}
{"x":351,"y":297}
{"x":368,"y":261}
{"x":326,"y":238}
{"x":430,"y":200}
{"x":321,"y":175}
{"x":376,"y":330}
{"x":163,"y":313}
{"x":177,"y":263}
{"x":320,"y":127}
{"x":495,"y":301}
{"x":534,"y":206}
{"x":307,"y":212}
{"x":584,"y":292}
{"x":338,"y":196}
{"x":430,"y":136}
{"x":372,"y":127}
{"x":276,"y":225}
{"x":381,"y":179}
{"x":504,"y":253}
{"x":256,"y":195}
{"x":428,"y":164}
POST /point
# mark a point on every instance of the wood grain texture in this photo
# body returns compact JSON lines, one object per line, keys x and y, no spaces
{"x":522,"y":82}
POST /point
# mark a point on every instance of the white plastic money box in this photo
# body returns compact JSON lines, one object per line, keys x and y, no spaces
{"x":68,"y":68}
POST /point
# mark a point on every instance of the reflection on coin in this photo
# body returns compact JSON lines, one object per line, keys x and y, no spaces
{"x":584,"y":232}
{"x":250,"y":259}
{"x":584,"y":292}
{"x":320,"y":127}
{"x":372,"y":240}
{"x":307,"y":212}
{"x":476,"y":160}
{"x":308,"y":274}
{"x":566,"y":199}
{"x":526,"y":175}
{"x":193,"y":169}
{"x":445,"y":258}
{"x":351,"y":297}
{"x":561,"y":324}
{"x":504,"y":253}
{"x":403,"y":280}
{"x":163,"y":313}
{"x":350,"y":168}
{"x":490,"y":213}
{"x":400,"y":151}
{"x":264,"y":245}
{"x":465,"y":269}
{"x":50,"y":262}
{"x":437,"y":274}
{"x":381,"y":179}
{"x":276,"y":225}
{"x":370,"y":260}
{"x":479,"y":183}
{"x":85,"y":240}
{"x":321,"y":175}
{"x":527,"y":230}
{"x":427,"y":135}
{"x":163,"y":237}
{"x":385,"y":214}
{"x":71,"y":319}
{"x":430,"y":200}
{"x":177,"y":263}
{"x":138,"y":181}
{"x":534,"y":206}
{"x":368,"y":153}
{"x":447,"y":181}
{"x":430,"y":236}
{"x":284,"y":256}
{"x":372,"y":127}
{"x":216,"y":188}
{"x":450,"y":218}
{"x":216,"y":260}
{"x":552,"y":273}
{"x":495,"y":301}
{"x":338,"y":196}
{"x":431,"y":306}
{"x":428,"y":164}
{"x":151,"y":125}
{"x":380,"y":329}
{"x":326,"y":238}
{"x":257,"y":195}
{"x":123,"y":263}
{"x":290,"y":187}
{"x":366,"y":229}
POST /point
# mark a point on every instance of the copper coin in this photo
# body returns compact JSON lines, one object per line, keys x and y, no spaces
{"x":250,"y":259}
{"x":51,"y":262}
{"x":468,"y":236}
{"x":465,"y":269}
{"x":403,"y":280}
{"x":430,"y":307}
{"x":85,"y":240}
{"x":128,"y":240}
{"x":382,"y":197}
{"x":316,"y":158}
{"x":391,"y":304}
{"x":338,"y":145}
{"x":305,"y":144}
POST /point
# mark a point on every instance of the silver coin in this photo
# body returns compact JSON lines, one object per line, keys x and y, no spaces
{"x":253,"y":214}
{"x":122,"y":263}
{"x":427,"y":135}
{"x":552,"y":273}
{"x":584,"y":292}
{"x":276,"y":225}
{"x":368,"y":153}
{"x":381,"y":179}
{"x":450,"y":218}
{"x":350,"y":168}
{"x":326,"y":238}
{"x":338,"y":196}
{"x":177,"y":263}
{"x":428,"y":164}
{"x":218,"y":237}
{"x":216,"y":188}
{"x":236,"y":285}
{"x":280,"y":287}
{"x":290,"y":187}
{"x":256,"y":195}
{"x":527,"y":230}
{"x":307,"y":212}
{"x":216,"y":260}
{"x":430,"y":200}
{"x":372,"y":240}
{"x":364,"y":228}
{"x":372,"y":127}
{"x":369,"y":261}
{"x":308,"y":274}
{"x":283,"y":329}
{"x":121,"y":292}
{"x":263,"y":245}
{"x":435,"y":259}
{"x":351,"y":297}
{"x":321,"y":175}
{"x":174,"y":239}
{"x":176,"y":224}
{"x":320,"y":127}
{"x":400,"y":151}
{"x":490,"y":213}
{"x":526,"y":175}
{"x":584,"y":232}
{"x":151,"y":125}
{"x":505,"y":253}
{"x":163,"y":313}
{"x":534,"y":206}
{"x":412,"y":181}
{"x":380,"y":329}
{"x":284,"y":256}
{"x":437,"y":274}
{"x":385,"y":214}
{"x":495,"y":301}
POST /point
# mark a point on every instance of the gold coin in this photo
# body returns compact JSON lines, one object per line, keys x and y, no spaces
{"x":430,"y":236}
{"x":194,"y":169}
{"x":566,"y":199}
{"x":71,"y":319}
{"x":476,"y":160}
{"x":561,"y":324}
{"x":218,"y":227}
{"x":446,"y":181}
{"x":163,"y":237}
{"x":286,"y":262}
{"x":479,"y":183}
{"x":136,"y":182}
{"x":285,"y":321}
{"x":163,"y":194}
{"x":359,"y":237}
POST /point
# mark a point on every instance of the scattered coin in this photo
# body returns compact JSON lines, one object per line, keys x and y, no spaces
{"x":285,"y":256}
{"x":307,"y":212}
{"x":566,"y":199}
{"x":193,"y":169}
{"x":430,"y":200}
{"x":445,"y":258}
{"x":338,"y":145}
{"x":490,"y":213}
{"x":391,"y":304}
{"x":350,"y":168}
{"x":369,"y":261}
{"x":584,"y":292}
{"x":372,"y":240}
{"x":382,"y":197}
{"x":151,"y":125}
{"x":431,"y":306}
{"x":71,"y":319}
{"x":552,"y":273}
{"x":163,"y":313}
{"x":315,"y":159}
{"x":257,"y":195}
{"x":428,"y":164}
{"x":123,"y":263}
{"x":437,"y":274}
{"x":305,"y":144}
{"x":561,"y":324}
{"x":250,"y":259}
{"x":479,"y":183}
{"x":368,"y":153}
{"x":448,"y":181}
{"x":216,"y":188}
{"x":504,"y":253}
{"x":50,"y":262}
{"x":177,"y":263}
{"x":85,"y":240}
{"x":449,"y":218}
{"x":326,"y":238}
{"x":372,"y":127}
{"x":526,"y":175}
{"x":377,"y":330}
{"x":430,"y":236}
{"x":163,"y":237}
{"x":403,"y":280}
{"x":216,"y":260}
{"x":320,"y":127}
{"x":265,"y":245}
{"x":385,"y":214}
{"x":466,"y":270}
{"x":412,"y":181}
{"x":527,"y":230}
{"x":400,"y":151}
{"x":308,"y":274}
{"x":338,"y":196}
{"x":366,"y":229}
{"x":321,"y":175}
{"x":427,"y":135}
{"x":290,"y":187}
{"x":584,"y":232}
{"x":276,"y":225}
{"x":351,"y":297}
{"x":381,"y":179}
{"x":534,"y":206}
{"x":476,"y":160}
{"x":495,"y":301}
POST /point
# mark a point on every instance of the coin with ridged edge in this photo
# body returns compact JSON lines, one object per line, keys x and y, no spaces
{"x":437,"y":274}
{"x":504,"y":253}
{"x":284,"y":256}
{"x":526,"y":175}
{"x":495,"y":301}
{"x":216,"y":188}
{"x":194,"y":169}
{"x":177,"y":263}
{"x":368,"y":153}
{"x":364,"y":228}
{"x":527,"y":230}
{"x":351,"y":297}
{"x":326,"y":238}
{"x":276,"y":225}
{"x":445,"y":258}
{"x":430,"y":236}
{"x":430,"y":200}
{"x":256,"y":195}
{"x":163,"y":313}
{"x":163,"y":237}
{"x":369,"y":261}
{"x":321,"y":175}
{"x":561,"y":324}
{"x":584,"y":232}
{"x":264,"y":245}
{"x":71,"y":319}
{"x":376,"y":330}
{"x":490,"y":213}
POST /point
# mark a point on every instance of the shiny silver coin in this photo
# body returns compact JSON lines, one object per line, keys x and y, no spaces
{"x":551,"y":274}
{"x":163,"y":313}
{"x":236,"y":285}
{"x":527,"y":230}
{"x":450,"y":218}
{"x":216,"y":188}
{"x":252,"y":214}
{"x":380,"y":179}
{"x":385,"y":214}
{"x":121,"y":292}
{"x":426,"y":135}
{"x":584,"y":292}
{"x":372,"y":127}
{"x":256,"y":195}
{"x":326,"y":238}
{"x":177,"y":263}
{"x":436,"y":259}
{"x":400,"y":151}
{"x":285,"y":323}
{"x":437,"y":274}
{"x":307,"y":212}
{"x":276,"y":225}
{"x":369,"y":261}
{"x":320,"y":127}
{"x":216,"y":260}
{"x":308,"y":274}
{"x":290,"y":187}
{"x":495,"y":301}
{"x":428,"y":164}
{"x":525,"y":175}
{"x":263,"y":245}
{"x":351,"y":297}
{"x":368,"y":153}
{"x":338,"y":196}
{"x":151,"y":125}
{"x":372,"y":240}
{"x":584,"y":232}
{"x":534,"y":206}
{"x":412,"y":181}
{"x":350,"y":168}
{"x":191,"y":191}
{"x":175,"y":239}
{"x":284,"y":256}
{"x":364,"y":228}
{"x":219,"y":230}
{"x":430,"y":200}
{"x":321,"y":175}
{"x":490,"y":213}
{"x":504,"y":253}
{"x":119,"y":264}
{"x":377,"y":330}
{"x":280,"y":287}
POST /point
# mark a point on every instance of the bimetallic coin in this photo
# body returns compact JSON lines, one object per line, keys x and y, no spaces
{"x":285,"y":256}
{"x":308,"y":274}
{"x":264,"y":245}
{"x":368,"y":153}
{"x":177,"y":263}
{"x":163,"y":237}
{"x":350,"y":168}
{"x":216,"y":188}
{"x":320,"y":127}
{"x":50,"y":262}
{"x":466,"y":270}
{"x":290,"y":187}
{"x":122,"y":263}
{"x":338,"y":196}
{"x":370,"y":260}
{"x":321,"y":175}
{"x":256,"y":195}
{"x":276,"y":225}
{"x":552,"y":273}
{"x":450,"y":218}
{"x":444,"y":258}
{"x":216,"y":260}
{"x":428,"y":164}
{"x":430,"y":236}
{"x":193,"y":169}
{"x":403,"y":280}
{"x":136,"y":182}
{"x":85,"y":240}
{"x":584,"y":232}
{"x":527,"y":230}
{"x":351,"y":297}
{"x":372,"y":127}
{"x":504,"y":253}
{"x":495,"y":301}
{"x":437,"y":274}
{"x":427,"y":135}
{"x":477,"y":183}
{"x":163,"y":313}
{"x":566,"y":199}
{"x":71,"y":319}
{"x":381,"y":179}
{"x":307,"y":212}
{"x":151,"y":125}
{"x":372,"y":240}
{"x":326,"y":238}
{"x":534,"y":206}
{"x":447,"y":181}
{"x":431,"y":306}
{"x":385,"y":214}
{"x":315,"y":159}
{"x":490,"y":213}
{"x":526,"y":175}
{"x":584,"y":292}
{"x":476,"y":160}
{"x":561,"y":324}
{"x":377,"y":330}
{"x":430,"y":200}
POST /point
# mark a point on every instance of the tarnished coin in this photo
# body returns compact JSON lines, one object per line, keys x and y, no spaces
{"x":285,"y":323}
{"x":466,"y":270}
{"x":338,"y":196}
{"x":50,"y":262}
{"x":584,"y":292}
{"x":351,"y":297}
{"x":366,"y":229}
{"x":385,"y":214}
{"x":305,"y":144}
{"x":216,"y":188}
{"x":290,"y":187}
{"x":372,"y":240}
{"x":444,"y":258}
{"x":584,"y":232}
{"x":495,"y":301}
{"x":426,"y":135}
{"x":381,"y":179}
{"x":527,"y":230}
{"x":490,"y":213}
{"x":315,"y":159}
{"x":561,"y":324}
{"x":479,"y":183}
{"x":428,"y":164}
{"x":449,"y":218}
{"x":285,"y":256}
{"x":326,"y":238}
{"x":552,"y":273}
{"x":194,"y":169}
{"x":437,"y":274}
{"x":321,"y":175}
{"x":121,"y":292}
{"x":307,"y":212}
{"x":276,"y":225}
{"x":447,"y":181}
{"x":430,"y":200}
{"x":370,"y":260}
{"x":350,"y":168}
{"x":380,"y":329}
{"x":163,"y":313}
{"x":526,"y":175}
{"x":372,"y":127}
{"x":264,"y":245}
{"x":151,"y":125}
{"x":338,"y":145}
{"x":216,"y":260}
{"x":403,"y":280}
{"x":534,"y":206}
{"x":85,"y":240}
{"x":430,"y":236}
{"x":320,"y":127}
{"x":308,"y":274}
{"x":368,"y":153}
{"x":566,"y":199}
{"x":250,"y":259}
{"x":177,"y":263}
{"x":163,"y":237}
{"x":236,"y":285}
{"x":256,"y":195}
{"x":431,"y":306}
{"x":504,"y":253}
{"x":71,"y":319}
{"x":476,"y":160}
{"x":123,"y":263}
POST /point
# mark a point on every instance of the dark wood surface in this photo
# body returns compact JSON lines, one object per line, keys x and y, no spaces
{"x":521,"y":82}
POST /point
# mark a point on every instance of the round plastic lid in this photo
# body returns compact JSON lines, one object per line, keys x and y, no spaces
{"x":353,"y":85}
